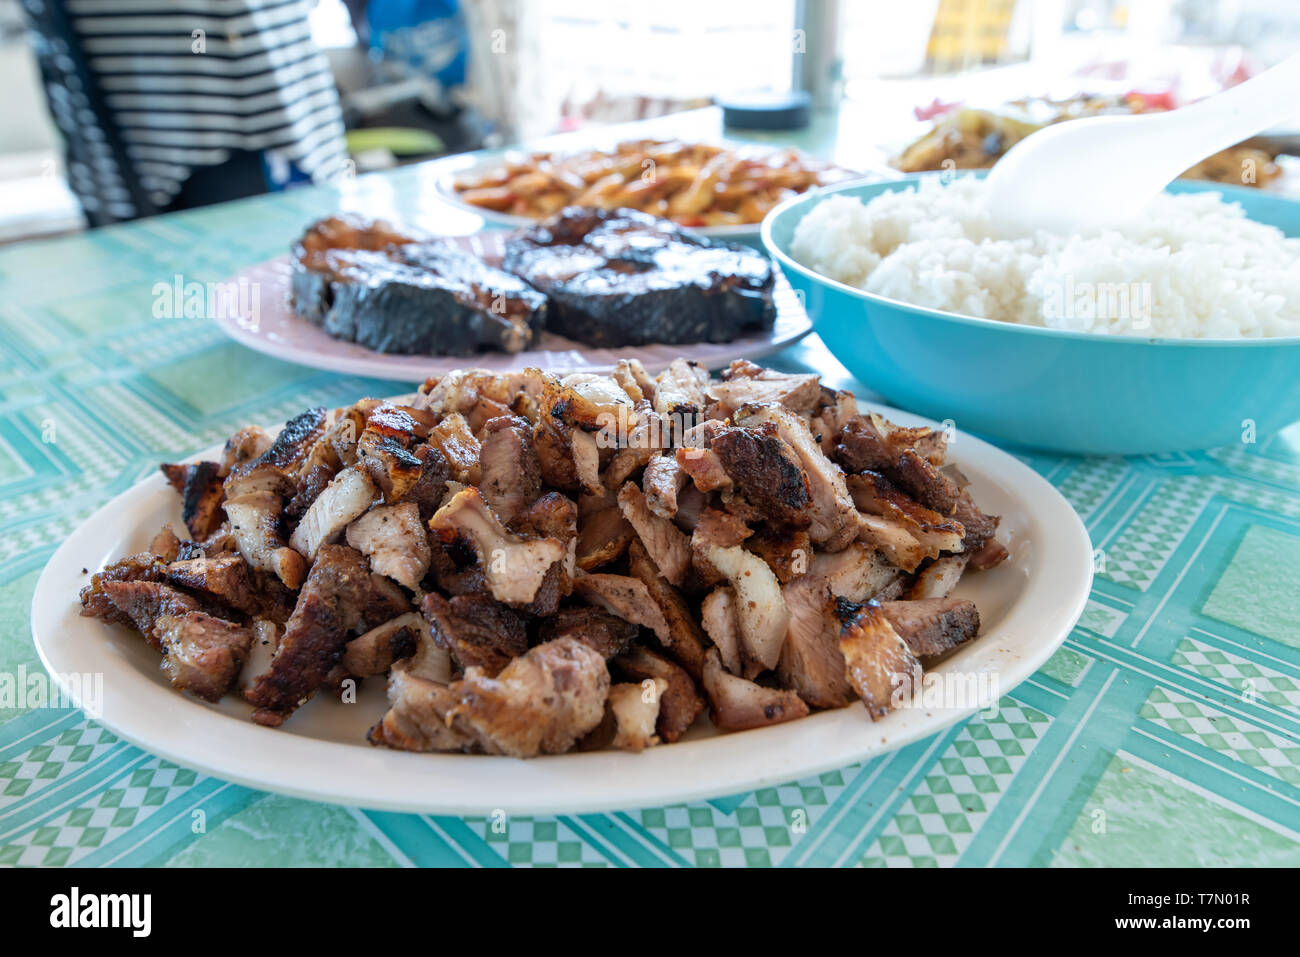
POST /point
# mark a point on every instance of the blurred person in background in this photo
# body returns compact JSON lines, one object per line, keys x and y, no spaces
{"x":171,"y":104}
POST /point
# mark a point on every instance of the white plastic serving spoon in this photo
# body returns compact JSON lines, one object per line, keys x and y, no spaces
{"x":1102,"y":170}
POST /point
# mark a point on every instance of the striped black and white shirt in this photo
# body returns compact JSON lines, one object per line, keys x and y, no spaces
{"x":146,"y":91}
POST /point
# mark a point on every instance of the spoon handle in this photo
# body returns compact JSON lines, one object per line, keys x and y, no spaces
{"x":1241,"y":111}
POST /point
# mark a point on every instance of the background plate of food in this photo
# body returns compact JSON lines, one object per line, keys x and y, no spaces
{"x":392,"y":661}
{"x":720,"y":190}
{"x":575,"y":294}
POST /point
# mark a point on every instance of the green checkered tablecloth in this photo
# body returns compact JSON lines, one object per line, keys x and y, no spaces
{"x":1166,"y":730}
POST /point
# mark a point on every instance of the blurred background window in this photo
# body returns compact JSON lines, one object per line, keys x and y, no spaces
{"x":417,"y":79}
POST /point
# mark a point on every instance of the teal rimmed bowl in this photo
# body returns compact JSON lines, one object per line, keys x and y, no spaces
{"x":1069,"y":392}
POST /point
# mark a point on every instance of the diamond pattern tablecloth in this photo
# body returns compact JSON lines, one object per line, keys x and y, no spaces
{"x":1165,"y":731}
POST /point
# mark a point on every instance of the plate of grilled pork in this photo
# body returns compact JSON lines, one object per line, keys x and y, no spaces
{"x":575,"y":293}
{"x":540,"y":593}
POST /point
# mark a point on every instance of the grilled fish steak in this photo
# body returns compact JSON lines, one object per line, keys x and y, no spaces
{"x":621,"y":277}
{"x":389,"y":293}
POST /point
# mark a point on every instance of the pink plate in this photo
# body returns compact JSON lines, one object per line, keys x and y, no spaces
{"x":275,"y":330}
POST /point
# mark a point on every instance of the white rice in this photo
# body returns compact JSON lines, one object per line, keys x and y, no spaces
{"x":1192,"y":266}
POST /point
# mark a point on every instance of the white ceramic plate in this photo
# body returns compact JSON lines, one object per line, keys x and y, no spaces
{"x":275,"y":330}
{"x":1028,"y":605}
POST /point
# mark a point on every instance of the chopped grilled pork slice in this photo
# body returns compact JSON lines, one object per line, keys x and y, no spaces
{"x":760,"y":607}
{"x":635,"y":708}
{"x":165,"y":544}
{"x":512,"y":474}
{"x":251,"y":479}
{"x":788,"y":553}
{"x":857,"y":573}
{"x":874,"y":494}
{"x":199,"y":486}
{"x":202,"y":654}
{"x":704,"y":468}
{"x":662,"y":481}
{"x":593,"y":401}
{"x":307,"y":489}
{"x":294,"y":440}
{"x":329,"y":606}
{"x":144,"y":602}
{"x":255,"y":523}
{"x":894,"y":541}
{"x":459,"y":448}
{"x":718,"y":615}
{"x":395,"y":541}
{"x":664,"y":541}
{"x":385,"y":601}
{"x":261,"y":651}
{"x":631,"y":375}
{"x":637,"y":440}
{"x":626,"y":597}
{"x":430,"y":488}
{"x":932,"y":626}
{"x":991,"y":553}
{"x":745,"y":383}
{"x":679,"y":703}
{"x":514,"y":568}
{"x":374,"y":652}
{"x":834,"y":518}
{"x":605,"y":633}
{"x":603,"y":532}
{"x":690,"y":503}
{"x":95,"y":603}
{"x":877,"y":661}
{"x":462,"y":389}
{"x":344,"y":500}
{"x":872,"y":442}
{"x":979,"y":528}
{"x":244,"y":446}
{"x":738,"y":704}
{"x":938,"y":578}
{"x":687,"y":646}
{"x":920,"y":479}
{"x":681,"y":389}
{"x":391,"y":466}
{"x":768,"y":473}
{"x":833,"y":411}
{"x":714,"y":527}
{"x":477,"y":631}
{"x":811,"y":663}
{"x":225,"y":579}
{"x":541,"y":703}
{"x":417,"y":716}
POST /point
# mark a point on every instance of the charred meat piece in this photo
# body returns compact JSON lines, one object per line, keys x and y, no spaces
{"x":200,"y":488}
{"x":666,"y":544}
{"x":95,"y":603}
{"x":834,"y":518}
{"x":938,"y":578}
{"x":541,"y":703}
{"x":768,"y":473}
{"x":255,"y":521}
{"x":512,"y":475}
{"x":681,"y":391}
{"x":345,"y":499}
{"x":606,"y":633}
{"x":788,"y":553}
{"x":812,"y":664}
{"x":877,"y":661}
{"x":293,"y":441}
{"x":329,"y":606}
{"x":621,"y":277}
{"x":760,"y":607}
{"x":687,"y":645}
{"x":932,"y":626}
{"x":739,"y":705}
{"x":427,"y":298}
{"x":662,"y":481}
{"x":477,"y":631}
{"x":626,"y":597}
{"x":144,"y":602}
{"x":634,"y":709}
{"x":202,"y":654}
{"x":679,"y":701}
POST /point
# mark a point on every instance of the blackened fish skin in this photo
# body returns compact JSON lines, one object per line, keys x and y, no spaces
{"x":623,"y":278}
{"x":414,"y":298}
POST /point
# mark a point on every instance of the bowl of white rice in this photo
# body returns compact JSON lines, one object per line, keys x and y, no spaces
{"x":1177,"y":330}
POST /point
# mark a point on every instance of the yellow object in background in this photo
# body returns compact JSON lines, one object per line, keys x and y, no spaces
{"x":967,"y":33}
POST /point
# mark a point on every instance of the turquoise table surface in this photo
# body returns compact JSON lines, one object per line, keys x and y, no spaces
{"x":1166,"y":731}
